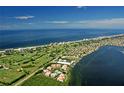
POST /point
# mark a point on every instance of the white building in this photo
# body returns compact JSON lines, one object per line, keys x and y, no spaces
{"x":65,"y":62}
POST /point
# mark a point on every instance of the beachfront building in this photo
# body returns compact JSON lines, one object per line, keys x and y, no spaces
{"x":21,"y":49}
{"x":9,"y":51}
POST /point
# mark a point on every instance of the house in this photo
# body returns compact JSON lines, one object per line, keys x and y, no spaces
{"x":58,"y":65}
{"x":53,"y":75}
{"x":45,"y":70}
{"x":61,"y":77}
{"x":58,"y":72}
{"x":9,"y":51}
{"x":54,"y":66}
{"x":48,"y":73}
{"x":20,"y":49}
{"x":49,"y":68}
{"x":64,"y":67}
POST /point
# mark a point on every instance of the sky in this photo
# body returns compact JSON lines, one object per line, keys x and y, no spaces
{"x":61,"y":17}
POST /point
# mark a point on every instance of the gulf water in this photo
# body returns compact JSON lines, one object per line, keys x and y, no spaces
{"x":24,"y":38}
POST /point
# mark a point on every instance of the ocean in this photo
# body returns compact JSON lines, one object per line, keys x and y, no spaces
{"x":25,"y":38}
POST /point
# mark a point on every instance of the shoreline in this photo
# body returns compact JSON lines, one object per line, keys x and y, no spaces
{"x":85,"y":39}
{"x":37,"y":59}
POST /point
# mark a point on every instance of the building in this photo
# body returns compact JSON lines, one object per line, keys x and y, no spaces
{"x":53,"y":75}
{"x":65,"y":62}
{"x":64,"y":67}
{"x":9,"y":51}
{"x":20,"y":49}
{"x":57,"y":72}
{"x":54,"y":66}
{"x":61,"y":77}
{"x":45,"y":70}
{"x":49,"y":68}
{"x":48,"y":73}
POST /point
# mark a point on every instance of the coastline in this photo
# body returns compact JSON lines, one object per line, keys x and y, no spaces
{"x":86,"y":39}
{"x":34,"y":58}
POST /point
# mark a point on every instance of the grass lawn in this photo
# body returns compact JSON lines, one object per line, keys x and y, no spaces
{"x":41,"y":80}
{"x":9,"y":76}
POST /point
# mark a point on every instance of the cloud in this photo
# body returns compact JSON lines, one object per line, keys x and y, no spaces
{"x":57,"y":22}
{"x":101,"y":23}
{"x":105,"y":23}
{"x":113,"y":23}
{"x":24,"y":17}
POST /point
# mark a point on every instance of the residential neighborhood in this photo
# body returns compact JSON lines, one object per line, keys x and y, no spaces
{"x":58,"y":70}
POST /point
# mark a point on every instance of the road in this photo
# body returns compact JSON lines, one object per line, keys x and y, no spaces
{"x":18,"y":83}
{"x":26,"y":78}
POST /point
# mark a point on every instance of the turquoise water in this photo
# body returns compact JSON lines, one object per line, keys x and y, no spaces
{"x":22,"y":38}
{"x":103,"y":67}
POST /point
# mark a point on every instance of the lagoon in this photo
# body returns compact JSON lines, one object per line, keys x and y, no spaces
{"x":101,"y":68}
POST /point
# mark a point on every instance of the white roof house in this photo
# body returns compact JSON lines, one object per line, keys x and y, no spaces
{"x":65,"y":62}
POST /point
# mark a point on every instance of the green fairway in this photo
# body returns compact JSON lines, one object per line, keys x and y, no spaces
{"x":10,"y":76}
{"x":41,"y":80}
